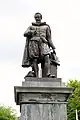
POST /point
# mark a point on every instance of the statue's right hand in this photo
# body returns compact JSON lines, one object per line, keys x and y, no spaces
{"x":28,"y":35}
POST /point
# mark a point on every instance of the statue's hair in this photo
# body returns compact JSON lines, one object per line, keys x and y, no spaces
{"x":38,"y":13}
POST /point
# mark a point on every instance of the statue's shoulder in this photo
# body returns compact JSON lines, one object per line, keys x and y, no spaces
{"x":48,"y":25}
{"x":31,"y":27}
{"x":48,"y":28}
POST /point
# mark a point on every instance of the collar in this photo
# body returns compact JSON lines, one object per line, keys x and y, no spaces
{"x":36,"y":24}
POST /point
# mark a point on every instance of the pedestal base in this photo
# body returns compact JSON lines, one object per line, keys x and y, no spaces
{"x":55,"y":111}
{"x":42,"y":98}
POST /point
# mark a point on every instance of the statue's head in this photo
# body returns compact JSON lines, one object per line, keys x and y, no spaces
{"x":38,"y":17}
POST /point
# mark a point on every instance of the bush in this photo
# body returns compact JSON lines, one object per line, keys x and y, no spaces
{"x":6,"y":113}
{"x":74,"y":99}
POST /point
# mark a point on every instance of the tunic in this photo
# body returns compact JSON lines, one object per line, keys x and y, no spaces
{"x":38,"y":37}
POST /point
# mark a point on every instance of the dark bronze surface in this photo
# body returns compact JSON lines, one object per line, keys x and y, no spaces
{"x":37,"y":49}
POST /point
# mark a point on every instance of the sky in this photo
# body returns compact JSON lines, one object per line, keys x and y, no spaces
{"x":63,"y":16}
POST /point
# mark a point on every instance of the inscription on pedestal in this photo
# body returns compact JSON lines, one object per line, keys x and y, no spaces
{"x":42,"y":98}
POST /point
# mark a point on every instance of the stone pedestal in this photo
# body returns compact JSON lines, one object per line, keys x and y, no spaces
{"x":42,"y":99}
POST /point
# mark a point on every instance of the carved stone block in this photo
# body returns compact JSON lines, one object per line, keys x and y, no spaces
{"x":42,"y":98}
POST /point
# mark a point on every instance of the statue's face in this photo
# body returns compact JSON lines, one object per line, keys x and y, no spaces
{"x":38,"y":18}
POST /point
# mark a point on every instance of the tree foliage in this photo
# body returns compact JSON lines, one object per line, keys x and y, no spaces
{"x":74,"y":99}
{"x":6,"y":113}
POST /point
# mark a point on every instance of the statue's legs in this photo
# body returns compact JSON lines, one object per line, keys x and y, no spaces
{"x":35,"y":67}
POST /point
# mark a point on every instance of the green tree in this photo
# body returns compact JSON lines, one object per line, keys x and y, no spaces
{"x":74,"y":99}
{"x":6,"y":113}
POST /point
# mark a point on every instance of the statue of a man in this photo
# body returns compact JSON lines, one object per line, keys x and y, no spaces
{"x":37,"y":48}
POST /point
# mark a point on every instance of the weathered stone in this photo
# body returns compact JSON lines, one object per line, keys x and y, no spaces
{"x":43,"y":111}
{"x":42,"y":82}
{"x":42,"y":98}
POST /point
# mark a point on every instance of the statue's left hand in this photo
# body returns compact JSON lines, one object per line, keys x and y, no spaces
{"x":54,"y":51}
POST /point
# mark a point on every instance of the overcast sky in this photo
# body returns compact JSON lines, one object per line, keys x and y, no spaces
{"x":63,"y":16}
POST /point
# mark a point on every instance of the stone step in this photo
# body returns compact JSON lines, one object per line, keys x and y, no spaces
{"x":42,"y":82}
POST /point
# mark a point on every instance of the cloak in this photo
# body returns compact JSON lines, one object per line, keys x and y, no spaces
{"x":26,"y":62}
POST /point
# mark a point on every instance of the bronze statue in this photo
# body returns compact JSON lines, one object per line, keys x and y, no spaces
{"x":37,"y":48}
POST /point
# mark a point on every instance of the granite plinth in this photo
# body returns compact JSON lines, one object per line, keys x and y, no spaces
{"x":42,"y":98}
